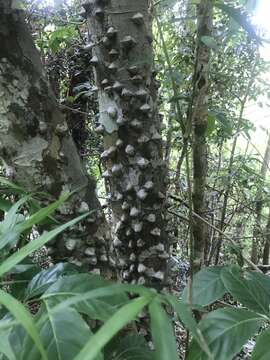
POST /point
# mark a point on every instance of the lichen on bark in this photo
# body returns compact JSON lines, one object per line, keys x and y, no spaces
{"x":37,"y":148}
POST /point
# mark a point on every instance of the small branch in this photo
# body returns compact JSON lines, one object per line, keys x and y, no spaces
{"x":254,"y":266}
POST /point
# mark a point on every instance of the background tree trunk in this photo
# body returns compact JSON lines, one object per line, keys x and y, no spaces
{"x":37,"y":148}
{"x":134,"y":168}
{"x":257,"y":231}
{"x":200,"y":122}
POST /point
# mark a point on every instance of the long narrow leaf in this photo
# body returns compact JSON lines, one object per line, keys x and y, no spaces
{"x":185,"y":315}
{"x":20,"y":313}
{"x":41,"y":214}
{"x":120,"y":319}
{"x":11,"y":185}
{"x":34,"y":245}
{"x":162,"y":333}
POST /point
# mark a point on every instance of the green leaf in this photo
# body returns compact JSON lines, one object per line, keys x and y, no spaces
{"x":44,"y":279}
{"x":240,"y":18}
{"x":20,"y":313}
{"x":8,"y":232}
{"x":186,"y":317}
{"x":162,"y":333}
{"x":131,"y":347}
{"x":226,"y":331}
{"x":10,"y":185}
{"x":21,"y":280}
{"x":262,"y":349}
{"x":63,"y":333}
{"x":211,"y":124}
{"x":246,"y":290}
{"x":41,"y":214}
{"x":119,"y":320}
{"x":209,"y":41}
{"x":5,"y":347}
{"x":207,"y":286}
{"x":34,"y":245}
{"x":5,"y":204}
{"x":79,"y":285}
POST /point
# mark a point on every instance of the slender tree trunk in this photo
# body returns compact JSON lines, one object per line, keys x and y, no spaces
{"x":36,"y":146}
{"x":257,"y":231}
{"x":134,"y":167}
{"x":266,"y":248}
{"x":200,"y":121}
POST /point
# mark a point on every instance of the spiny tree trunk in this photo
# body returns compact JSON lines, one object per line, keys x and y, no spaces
{"x":121,"y":39}
{"x":36,"y":146}
{"x":200,"y":121}
{"x":257,"y":231}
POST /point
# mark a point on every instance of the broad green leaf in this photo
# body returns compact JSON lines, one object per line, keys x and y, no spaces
{"x":207,"y":286}
{"x":261,"y":280}
{"x":34,"y":245}
{"x":119,"y":320}
{"x":16,"y":338}
{"x":20,"y":281}
{"x":21,"y":314}
{"x":5,"y":204}
{"x":162,"y":332}
{"x":262,"y":349}
{"x":44,"y":279}
{"x":5,"y":346}
{"x":78,"y":285}
{"x":226,"y":331}
{"x":131,"y":347}
{"x":246,"y":290}
{"x":209,"y":41}
{"x":64,"y":334}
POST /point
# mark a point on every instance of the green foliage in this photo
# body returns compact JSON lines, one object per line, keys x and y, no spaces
{"x":227,"y":330}
{"x":62,"y":37}
{"x":206,"y":287}
{"x":67,"y":301}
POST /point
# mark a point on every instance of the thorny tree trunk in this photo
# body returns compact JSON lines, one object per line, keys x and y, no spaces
{"x":36,"y":146}
{"x":121,"y":41}
{"x":200,"y":121}
{"x":257,"y":231}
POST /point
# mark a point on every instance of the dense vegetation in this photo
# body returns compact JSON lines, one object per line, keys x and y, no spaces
{"x":131,"y":171}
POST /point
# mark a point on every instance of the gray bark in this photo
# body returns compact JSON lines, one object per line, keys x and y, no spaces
{"x":200,"y":121}
{"x":135,"y":172}
{"x":36,"y":146}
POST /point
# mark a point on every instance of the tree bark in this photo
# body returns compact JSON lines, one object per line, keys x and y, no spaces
{"x":135,"y":171}
{"x":257,"y":231}
{"x":200,"y":121}
{"x":266,"y":249}
{"x":37,"y":148}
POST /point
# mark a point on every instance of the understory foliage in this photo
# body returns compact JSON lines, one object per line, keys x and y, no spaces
{"x":60,"y":311}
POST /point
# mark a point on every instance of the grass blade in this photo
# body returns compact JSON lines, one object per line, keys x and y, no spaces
{"x":34,"y":245}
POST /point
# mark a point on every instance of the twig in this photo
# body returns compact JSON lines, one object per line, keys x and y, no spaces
{"x":254,"y":266}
